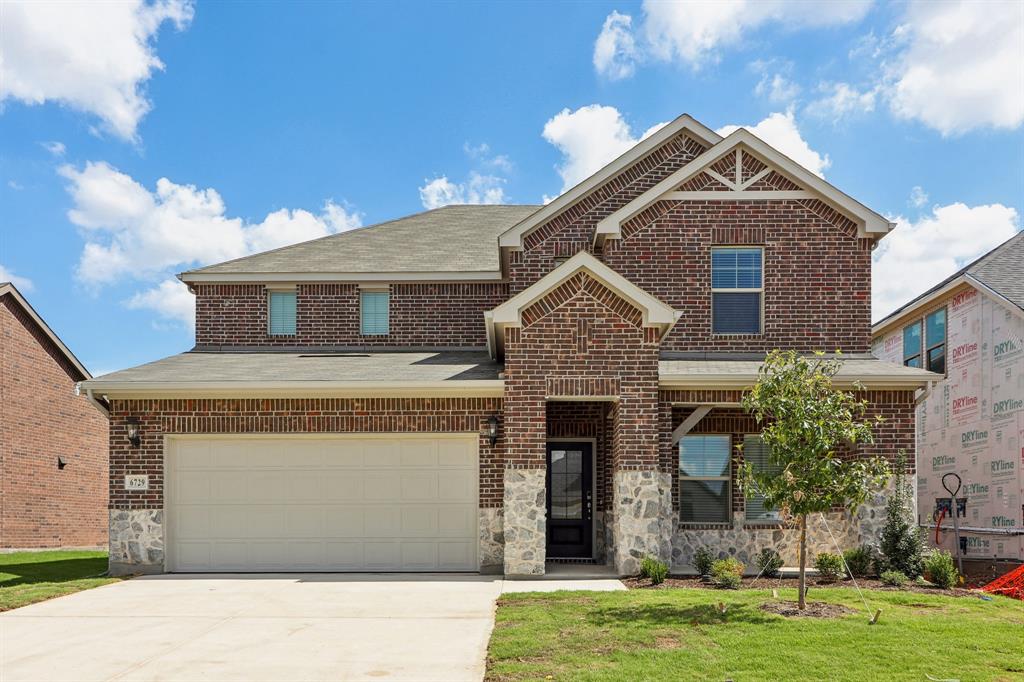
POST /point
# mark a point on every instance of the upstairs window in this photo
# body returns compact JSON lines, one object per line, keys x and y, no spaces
{"x":282,"y":313}
{"x":912,"y":345}
{"x":704,"y":479}
{"x":757,"y":454}
{"x":373,"y":313}
{"x":935,"y":338}
{"x":737,"y":288}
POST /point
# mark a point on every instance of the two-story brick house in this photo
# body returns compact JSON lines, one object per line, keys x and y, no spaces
{"x":492,"y":387}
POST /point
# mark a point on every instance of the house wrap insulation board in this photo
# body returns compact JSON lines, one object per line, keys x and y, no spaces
{"x":972,"y":423}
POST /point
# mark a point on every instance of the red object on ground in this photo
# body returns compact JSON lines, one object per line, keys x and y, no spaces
{"x":1010,"y":585}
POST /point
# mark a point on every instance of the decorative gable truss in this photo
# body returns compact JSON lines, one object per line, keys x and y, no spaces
{"x":583,"y":272}
{"x":744,"y":168}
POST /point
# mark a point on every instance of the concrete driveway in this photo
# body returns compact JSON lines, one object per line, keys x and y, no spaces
{"x":256,"y":627}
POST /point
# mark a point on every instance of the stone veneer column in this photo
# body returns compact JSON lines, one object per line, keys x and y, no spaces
{"x":642,"y":524}
{"x":525,"y":522}
{"x":136,"y":541}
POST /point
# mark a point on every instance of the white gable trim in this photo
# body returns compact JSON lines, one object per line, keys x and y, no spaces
{"x":509,"y":314}
{"x":9,"y":288}
{"x":869,"y":223}
{"x":513,"y":237}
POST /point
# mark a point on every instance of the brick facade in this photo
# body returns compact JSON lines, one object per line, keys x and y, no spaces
{"x":444,"y":314}
{"x":41,"y":419}
{"x":582,"y":364}
{"x":159,"y":418}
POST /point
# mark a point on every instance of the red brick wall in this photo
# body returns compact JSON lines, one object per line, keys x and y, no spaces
{"x":41,"y":419}
{"x":281,"y":416}
{"x":581,"y":341}
{"x":817,"y":275}
{"x":327,"y":314}
{"x":892,"y":435}
{"x":572,"y":230}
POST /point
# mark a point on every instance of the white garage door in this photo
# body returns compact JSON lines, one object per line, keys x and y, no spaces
{"x":360,"y":503}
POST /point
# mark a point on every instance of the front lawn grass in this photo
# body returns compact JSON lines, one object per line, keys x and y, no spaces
{"x":681,"y":635}
{"x":28,"y":577}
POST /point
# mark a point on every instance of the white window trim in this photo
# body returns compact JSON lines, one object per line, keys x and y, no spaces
{"x":374,"y":290}
{"x":285,"y":290}
{"x":727,"y":479}
{"x":716,"y":290}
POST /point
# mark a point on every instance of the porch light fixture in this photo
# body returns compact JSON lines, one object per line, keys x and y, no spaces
{"x":61,"y":462}
{"x":134,"y":432}
{"x":492,"y":429}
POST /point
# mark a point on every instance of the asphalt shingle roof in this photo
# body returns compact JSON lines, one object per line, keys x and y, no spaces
{"x":448,"y":239}
{"x":1002,"y":269}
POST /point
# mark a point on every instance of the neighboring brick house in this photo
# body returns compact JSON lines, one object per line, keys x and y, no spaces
{"x":969,"y":328}
{"x":494,"y":387}
{"x":53,"y":443}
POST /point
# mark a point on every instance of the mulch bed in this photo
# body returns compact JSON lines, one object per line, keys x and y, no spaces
{"x":763,"y":583}
{"x":815,"y":609}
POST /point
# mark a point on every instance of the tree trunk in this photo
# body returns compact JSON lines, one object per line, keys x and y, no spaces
{"x":803,"y":562}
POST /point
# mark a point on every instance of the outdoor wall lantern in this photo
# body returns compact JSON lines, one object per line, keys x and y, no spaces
{"x":134,"y":432}
{"x":61,"y":462}
{"x":492,"y":429}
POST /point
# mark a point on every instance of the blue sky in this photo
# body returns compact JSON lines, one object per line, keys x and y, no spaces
{"x":137,"y":141}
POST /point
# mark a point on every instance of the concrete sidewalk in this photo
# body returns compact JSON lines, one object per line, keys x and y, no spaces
{"x":264,"y":627}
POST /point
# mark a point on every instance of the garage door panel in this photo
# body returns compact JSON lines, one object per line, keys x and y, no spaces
{"x":344,"y":522}
{"x":407,"y":503}
{"x":456,"y":485}
{"x":419,"y":485}
{"x":457,"y":453}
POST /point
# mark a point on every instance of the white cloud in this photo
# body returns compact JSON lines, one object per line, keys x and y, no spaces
{"x":840,"y":100}
{"x":15,"y":185}
{"x":94,"y":57}
{"x":780,"y":131}
{"x":694,"y":32}
{"x":615,"y":51}
{"x":961,"y":65}
{"x":23,"y":283}
{"x":55,"y":148}
{"x":477,"y":189}
{"x":588,"y":139}
{"x":918,"y":197}
{"x":777,"y":88}
{"x":481,"y":153}
{"x":917,"y":255}
{"x":133,"y":233}
{"x":170,"y":299}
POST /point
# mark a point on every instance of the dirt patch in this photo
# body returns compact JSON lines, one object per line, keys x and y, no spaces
{"x":667,"y":643}
{"x":815,"y":609}
{"x":763,"y":583}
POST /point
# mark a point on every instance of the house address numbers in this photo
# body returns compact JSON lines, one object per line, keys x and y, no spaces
{"x":136,"y":482}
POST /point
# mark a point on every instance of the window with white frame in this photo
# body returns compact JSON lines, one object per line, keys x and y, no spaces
{"x":282,"y":313}
{"x":705,"y":488}
{"x":757,"y":454}
{"x":737,"y":290}
{"x":373,"y":312}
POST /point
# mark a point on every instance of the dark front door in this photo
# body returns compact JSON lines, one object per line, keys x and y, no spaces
{"x":570,"y":500}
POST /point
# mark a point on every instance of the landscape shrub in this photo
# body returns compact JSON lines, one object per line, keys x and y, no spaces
{"x":893,"y":578}
{"x":727,"y":573}
{"x":830,"y":566}
{"x":702,"y":560}
{"x":768,"y":561}
{"x":902,"y":543}
{"x":859,"y":560}
{"x":656,"y":570}
{"x":939,"y":569}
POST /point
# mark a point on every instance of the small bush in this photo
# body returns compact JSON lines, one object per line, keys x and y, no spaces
{"x":768,"y":561}
{"x":727,"y":573}
{"x":656,"y":570}
{"x":939,"y":569}
{"x":894,"y":578}
{"x":859,"y":560}
{"x":702,"y":560}
{"x":830,"y":566}
{"x":902,"y":543}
